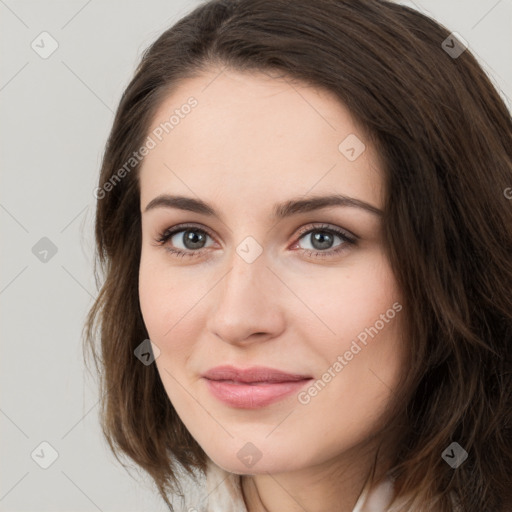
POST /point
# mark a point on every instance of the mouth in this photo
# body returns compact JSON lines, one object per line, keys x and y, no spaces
{"x":252,"y":388}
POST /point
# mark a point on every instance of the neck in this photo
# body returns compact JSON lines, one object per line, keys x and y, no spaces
{"x":334,"y":485}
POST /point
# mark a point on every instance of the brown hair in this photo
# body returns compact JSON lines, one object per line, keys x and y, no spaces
{"x":445,"y":137}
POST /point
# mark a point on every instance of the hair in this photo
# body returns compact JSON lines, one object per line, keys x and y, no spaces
{"x":444,"y":136}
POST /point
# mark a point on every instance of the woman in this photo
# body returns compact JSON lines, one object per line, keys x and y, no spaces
{"x":305,"y":233}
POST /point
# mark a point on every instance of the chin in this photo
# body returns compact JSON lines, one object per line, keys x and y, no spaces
{"x":249,"y":460}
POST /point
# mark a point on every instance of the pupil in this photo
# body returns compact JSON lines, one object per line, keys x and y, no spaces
{"x":322,"y":240}
{"x":193,"y":239}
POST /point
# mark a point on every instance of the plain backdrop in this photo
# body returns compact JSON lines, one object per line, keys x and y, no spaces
{"x":56,"y":113}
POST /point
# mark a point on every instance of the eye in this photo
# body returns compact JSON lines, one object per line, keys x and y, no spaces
{"x":322,"y":238}
{"x":191,"y":238}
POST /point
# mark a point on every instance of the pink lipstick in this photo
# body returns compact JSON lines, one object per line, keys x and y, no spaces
{"x":253,"y":387}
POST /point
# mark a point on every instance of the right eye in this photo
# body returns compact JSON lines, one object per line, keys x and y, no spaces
{"x":192,"y":239}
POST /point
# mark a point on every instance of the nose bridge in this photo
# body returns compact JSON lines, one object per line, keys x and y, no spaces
{"x":245,"y":300}
{"x":244,"y":284}
{"x":248,"y":267}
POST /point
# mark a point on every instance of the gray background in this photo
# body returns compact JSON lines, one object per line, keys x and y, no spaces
{"x":56,"y":115}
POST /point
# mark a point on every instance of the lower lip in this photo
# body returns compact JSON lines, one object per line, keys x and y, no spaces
{"x":253,"y":396}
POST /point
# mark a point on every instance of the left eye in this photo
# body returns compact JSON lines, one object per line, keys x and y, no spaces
{"x":321,"y":240}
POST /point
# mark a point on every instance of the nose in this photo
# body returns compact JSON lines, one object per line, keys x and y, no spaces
{"x":246,"y":305}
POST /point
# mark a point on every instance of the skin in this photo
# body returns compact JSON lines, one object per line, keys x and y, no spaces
{"x":253,"y":141}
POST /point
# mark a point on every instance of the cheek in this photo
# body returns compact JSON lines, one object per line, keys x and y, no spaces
{"x":157,"y":297}
{"x":169,"y":302}
{"x":158,"y":291}
{"x":151,"y":294}
{"x":351,"y":303}
{"x":363,"y":355}
{"x":161,"y":312}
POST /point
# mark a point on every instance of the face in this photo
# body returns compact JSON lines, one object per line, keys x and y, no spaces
{"x":251,"y":281}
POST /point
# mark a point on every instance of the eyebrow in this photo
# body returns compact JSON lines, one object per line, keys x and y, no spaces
{"x":280,"y":211}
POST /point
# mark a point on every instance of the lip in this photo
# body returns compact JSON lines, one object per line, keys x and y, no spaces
{"x":254,"y":387}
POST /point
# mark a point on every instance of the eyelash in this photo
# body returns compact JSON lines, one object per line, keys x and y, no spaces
{"x":347,"y":240}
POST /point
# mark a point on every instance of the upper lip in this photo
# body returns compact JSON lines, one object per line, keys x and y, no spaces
{"x":252,"y":374}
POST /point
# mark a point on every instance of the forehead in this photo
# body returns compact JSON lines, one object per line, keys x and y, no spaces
{"x":260,"y":135}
